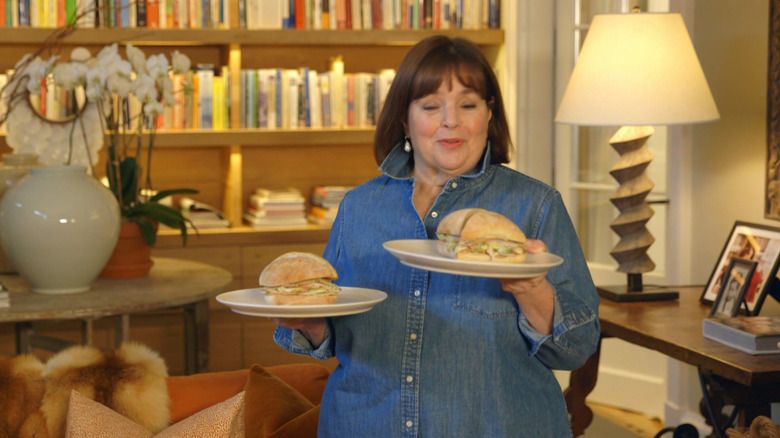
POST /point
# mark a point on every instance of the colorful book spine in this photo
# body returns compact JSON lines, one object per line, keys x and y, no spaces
{"x":24,"y":13}
{"x":142,"y":13}
{"x":206,"y":96}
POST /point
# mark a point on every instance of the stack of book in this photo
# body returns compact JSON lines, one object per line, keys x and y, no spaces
{"x":5,"y":298}
{"x":270,"y":208}
{"x":325,"y":202}
{"x":751,"y":334}
{"x":203,"y":215}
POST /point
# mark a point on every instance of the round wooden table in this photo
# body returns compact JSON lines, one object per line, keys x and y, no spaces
{"x":172,"y":283}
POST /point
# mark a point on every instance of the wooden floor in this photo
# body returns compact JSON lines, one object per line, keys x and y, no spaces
{"x":610,"y":422}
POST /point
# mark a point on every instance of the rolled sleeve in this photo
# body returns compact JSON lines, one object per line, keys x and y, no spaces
{"x":295,"y":342}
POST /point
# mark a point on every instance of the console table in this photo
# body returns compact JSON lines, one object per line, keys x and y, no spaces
{"x":172,"y":283}
{"x":674,"y":328}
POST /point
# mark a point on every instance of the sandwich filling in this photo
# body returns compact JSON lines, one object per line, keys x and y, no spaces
{"x":318,"y":286}
{"x":494,"y":248}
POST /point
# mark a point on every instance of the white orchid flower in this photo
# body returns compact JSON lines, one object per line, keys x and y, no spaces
{"x":145,"y":89}
{"x":136,"y":58}
{"x":153,"y":109}
{"x":181,"y":63}
{"x":108,"y":54}
{"x":69,"y":75}
{"x":157,"y":66}
{"x":96,"y":84}
{"x":37,"y":70}
{"x":80,"y":54}
{"x":119,"y":85}
{"x":167,"y":91}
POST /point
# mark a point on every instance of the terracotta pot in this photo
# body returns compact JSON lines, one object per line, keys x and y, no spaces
{"x":131,"y":257}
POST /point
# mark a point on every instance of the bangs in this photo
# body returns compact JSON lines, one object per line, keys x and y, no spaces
{"x":440,"y":67}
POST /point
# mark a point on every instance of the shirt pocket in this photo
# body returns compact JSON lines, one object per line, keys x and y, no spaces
{"x":482,"y":297}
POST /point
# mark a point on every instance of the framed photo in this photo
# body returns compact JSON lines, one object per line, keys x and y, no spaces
{"x":752,"y":242}
{"x":733,"y":287}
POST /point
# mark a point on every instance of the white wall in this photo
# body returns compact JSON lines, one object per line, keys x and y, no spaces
{"x":727,"y":161}
{"x":729,"y":155}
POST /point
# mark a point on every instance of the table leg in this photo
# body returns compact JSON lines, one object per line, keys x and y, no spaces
{"x":122,"y":330}
{"x":196,"y":334}
{"x":24,"y":331}
{"x":581,"y":383}
{"x":718,"y":392}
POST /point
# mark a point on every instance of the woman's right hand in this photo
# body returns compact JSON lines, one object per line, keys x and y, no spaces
{"x":311,"y":328}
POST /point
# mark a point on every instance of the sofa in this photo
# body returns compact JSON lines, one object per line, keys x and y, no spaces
{"x":88,"y":392}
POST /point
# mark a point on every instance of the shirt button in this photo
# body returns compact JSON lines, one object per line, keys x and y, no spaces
{"x":454,"y":185}
{"x":413,"y":336}
{"x":409,"y":423}
{"x":409,"y":379}
{"x":417,"y":293}
{"x":434,"y":215}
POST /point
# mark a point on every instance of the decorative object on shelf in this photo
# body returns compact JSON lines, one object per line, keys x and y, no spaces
{"x":128,"y":95}
{"x":59,"y":227}
{"x":754,"y":242}
{"x":634,"y":70}
{"x":734,"y":287}
{"x":132,"y":256}
{"x":14,"y":168}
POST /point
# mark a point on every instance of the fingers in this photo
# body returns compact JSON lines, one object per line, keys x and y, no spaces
{"x":535,"y":246}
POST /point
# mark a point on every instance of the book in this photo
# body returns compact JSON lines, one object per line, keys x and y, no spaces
{"x":205,"y":74}
{"x":203,"y":215}
{"x":267,"y":222}
{"x":751,"y":334}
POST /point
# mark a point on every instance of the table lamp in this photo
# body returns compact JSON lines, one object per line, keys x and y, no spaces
{"x":636,"y":70}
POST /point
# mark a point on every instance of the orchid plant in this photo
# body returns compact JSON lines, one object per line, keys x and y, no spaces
{"x":105,"y":87}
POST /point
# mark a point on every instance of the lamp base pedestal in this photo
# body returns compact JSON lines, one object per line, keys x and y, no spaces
{"x":648,"y":293}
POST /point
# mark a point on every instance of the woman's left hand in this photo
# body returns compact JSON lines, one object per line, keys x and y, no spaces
{"x":521,"y":286}
{"x":534,"y":295}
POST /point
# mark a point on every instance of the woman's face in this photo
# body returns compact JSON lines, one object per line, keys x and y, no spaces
{"x":448,"y":130}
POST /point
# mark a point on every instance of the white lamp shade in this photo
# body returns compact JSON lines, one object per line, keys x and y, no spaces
{"x":637,"y":69}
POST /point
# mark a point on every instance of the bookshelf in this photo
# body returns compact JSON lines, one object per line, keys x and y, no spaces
{"x":226,"y":166}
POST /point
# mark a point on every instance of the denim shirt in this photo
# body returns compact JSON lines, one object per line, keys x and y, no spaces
{"x":449,"y":355}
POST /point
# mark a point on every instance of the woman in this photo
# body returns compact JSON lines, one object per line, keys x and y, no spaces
{"x":448,"y":355}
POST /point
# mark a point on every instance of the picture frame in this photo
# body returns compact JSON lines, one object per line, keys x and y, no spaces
{"x":754,"y":242}
{"x":733,"y":287}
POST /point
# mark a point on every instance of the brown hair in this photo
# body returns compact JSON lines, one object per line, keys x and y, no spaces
{"x":425,"y":67}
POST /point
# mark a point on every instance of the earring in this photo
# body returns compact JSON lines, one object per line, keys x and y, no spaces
{"x":407,"y":145}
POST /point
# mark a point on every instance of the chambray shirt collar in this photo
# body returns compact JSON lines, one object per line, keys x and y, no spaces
{"x":398,"y":164}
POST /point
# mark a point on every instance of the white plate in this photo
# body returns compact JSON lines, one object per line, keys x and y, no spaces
{"x":252,"y":302}
{"x":423,"y":254}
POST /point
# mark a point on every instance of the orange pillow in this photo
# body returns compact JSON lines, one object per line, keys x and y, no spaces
{"x":191,"y":394}
{"x":307,"y":378}
{"x":274,"y":409}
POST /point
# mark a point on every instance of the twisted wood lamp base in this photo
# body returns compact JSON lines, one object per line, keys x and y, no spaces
{"x":630,"y":225}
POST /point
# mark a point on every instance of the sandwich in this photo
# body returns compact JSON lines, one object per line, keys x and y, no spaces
{"x":476,"y":234}
{"x":299,"y":278}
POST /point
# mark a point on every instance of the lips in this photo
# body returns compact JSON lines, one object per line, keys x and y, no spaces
{"x":451,"y":142}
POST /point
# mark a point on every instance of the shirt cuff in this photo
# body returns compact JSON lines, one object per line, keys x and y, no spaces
{"x":535,"y":338}
{"x":300,"y":345}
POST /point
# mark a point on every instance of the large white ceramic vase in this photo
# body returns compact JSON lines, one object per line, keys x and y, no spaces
{"x":59,"y":226}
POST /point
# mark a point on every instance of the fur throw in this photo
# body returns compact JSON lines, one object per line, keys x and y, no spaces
{"x":130,"y":380}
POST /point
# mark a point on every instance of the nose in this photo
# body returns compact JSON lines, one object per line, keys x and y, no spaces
{"x":450,"y":117}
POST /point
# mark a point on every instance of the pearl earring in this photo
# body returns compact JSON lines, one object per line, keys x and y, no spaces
{"x":407,"y":145}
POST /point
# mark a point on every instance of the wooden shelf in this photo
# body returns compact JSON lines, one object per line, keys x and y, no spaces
{"x":258,"y":137}
{"x":194,"y":37}
{"x":265,"y":137}
{"x":244,"y":235}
